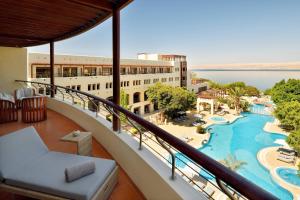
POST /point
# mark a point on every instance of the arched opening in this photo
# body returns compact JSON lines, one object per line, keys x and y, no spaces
{"x":145,"y":96}
{"x":136,"y":97}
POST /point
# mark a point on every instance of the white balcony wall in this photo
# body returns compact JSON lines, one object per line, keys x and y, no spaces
{"x":149,"y":173}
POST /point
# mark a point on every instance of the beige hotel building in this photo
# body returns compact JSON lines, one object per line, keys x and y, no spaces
{"x":94,"y":75}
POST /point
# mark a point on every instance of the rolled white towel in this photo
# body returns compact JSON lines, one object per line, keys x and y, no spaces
{"x":80,"y":170}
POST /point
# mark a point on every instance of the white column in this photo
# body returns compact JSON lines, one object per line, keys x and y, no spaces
{"x":212,"y":108}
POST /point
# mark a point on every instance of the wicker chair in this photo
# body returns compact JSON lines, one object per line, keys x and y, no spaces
{"x":22,"y":93}
{"x":34,"y":109}
{"x":8,"y":108}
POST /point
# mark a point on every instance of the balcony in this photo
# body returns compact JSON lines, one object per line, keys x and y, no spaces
{"x":155,"y":153}
{"x":145,"y":152}
{"x":51,"y":131}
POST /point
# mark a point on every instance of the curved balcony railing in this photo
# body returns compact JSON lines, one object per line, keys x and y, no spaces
{"x":172,"y":149}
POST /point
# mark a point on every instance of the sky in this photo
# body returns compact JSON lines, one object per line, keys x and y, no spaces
{"x":206,"y":31}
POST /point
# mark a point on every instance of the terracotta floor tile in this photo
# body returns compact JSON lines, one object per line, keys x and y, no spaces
{"x":51,"y":131}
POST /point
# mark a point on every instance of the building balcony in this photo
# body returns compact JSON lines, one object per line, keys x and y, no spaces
{"x":146,"y":158}
{"x":51,"y":131}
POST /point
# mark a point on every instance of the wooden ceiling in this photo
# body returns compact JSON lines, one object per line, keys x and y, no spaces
{"x":34,"y":22}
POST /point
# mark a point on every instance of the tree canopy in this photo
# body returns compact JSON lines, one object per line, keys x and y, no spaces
{"x":286,"y":96}
{"x":286,"y":91}
{"x":248,"y":90}
{"x":288,"y":114}
{"x":294,"y":140}
{"x":171,"y":100}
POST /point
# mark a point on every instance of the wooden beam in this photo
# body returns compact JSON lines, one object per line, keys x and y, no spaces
{"x":22,"y":37}
{"x":52,"y":68}
{"x":102,"y":5}
{"x":116,"y":65}
{"x":121,"y":4}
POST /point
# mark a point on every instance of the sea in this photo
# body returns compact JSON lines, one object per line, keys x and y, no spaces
{"x":262,"y":79}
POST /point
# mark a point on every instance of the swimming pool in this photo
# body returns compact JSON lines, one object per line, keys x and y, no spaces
{"x":245,"y":138}
{"x":218,"y":120}
{"x":260,"y":109}
{"x":289,"y":175}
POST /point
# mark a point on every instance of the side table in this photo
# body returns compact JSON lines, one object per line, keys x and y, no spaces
{"x":83,"y":141}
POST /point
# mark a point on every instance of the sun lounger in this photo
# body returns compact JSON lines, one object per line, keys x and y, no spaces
{"x":286,"y":159}
{"x":286,"y":151}
{"x":28,"y":168}
{"x":287,"y":154}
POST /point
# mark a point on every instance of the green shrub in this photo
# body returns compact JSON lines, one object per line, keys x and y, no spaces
{"x":133,"y":131}
{"x":109,"y":118}
{"x":200,"y":129}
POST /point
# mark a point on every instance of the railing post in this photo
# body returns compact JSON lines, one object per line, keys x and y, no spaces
{"x":52,"y":68}
{"x":116,"y":65}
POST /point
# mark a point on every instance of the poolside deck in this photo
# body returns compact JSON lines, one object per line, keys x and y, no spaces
{"x":268,"y":158}
{"x":51,"y":131}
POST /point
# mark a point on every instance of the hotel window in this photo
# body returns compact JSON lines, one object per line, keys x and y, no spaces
{"x":155,"y":80}
{"x":98,"y":86}
{"x":147,"y":81}
{"x":106,"y":85}
{"x":134,"y":70}
{"x":170,"y":79}
{"x":89,"y":87}
{"x":94,"y":86}
{"x":133,"y":82}
{"x":42,"y":72}
{"x":121,"y":83}
{"x":144,"y":70}
{"x":110,"y":85}
{"x":127,"y":83}
{"x":74,"y":87}
{"x":161,"y":70}
{"x":69,"y":71}
{"x":163,"y":80}
{"x":176,"y":69}
{"x":107,"y":71}
{"x":78,"y":87}
{"x":123,"y":71}
{"x":176,"y":78}
{"x":90,"y":71}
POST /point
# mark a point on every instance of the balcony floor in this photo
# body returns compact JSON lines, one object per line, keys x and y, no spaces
{"x":51,"y":131}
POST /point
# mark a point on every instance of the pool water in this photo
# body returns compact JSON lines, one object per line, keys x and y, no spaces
{"x":259,"y":109}
{"x":289,"y":175}
{"x":244,"y":139}
{"x":218,"y":119}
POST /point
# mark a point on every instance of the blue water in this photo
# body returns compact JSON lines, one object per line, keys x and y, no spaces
{"x":260,"y":79}
{"x":244,"y":138}
{"x":219,"y":119}
{"x":289,"y":175}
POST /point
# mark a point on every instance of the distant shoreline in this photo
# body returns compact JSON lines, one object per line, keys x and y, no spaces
{"x":241,"y":69}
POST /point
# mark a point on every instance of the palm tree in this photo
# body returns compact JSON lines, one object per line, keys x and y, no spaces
{"x":235,"y":94}
{"x":233,"y":163}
